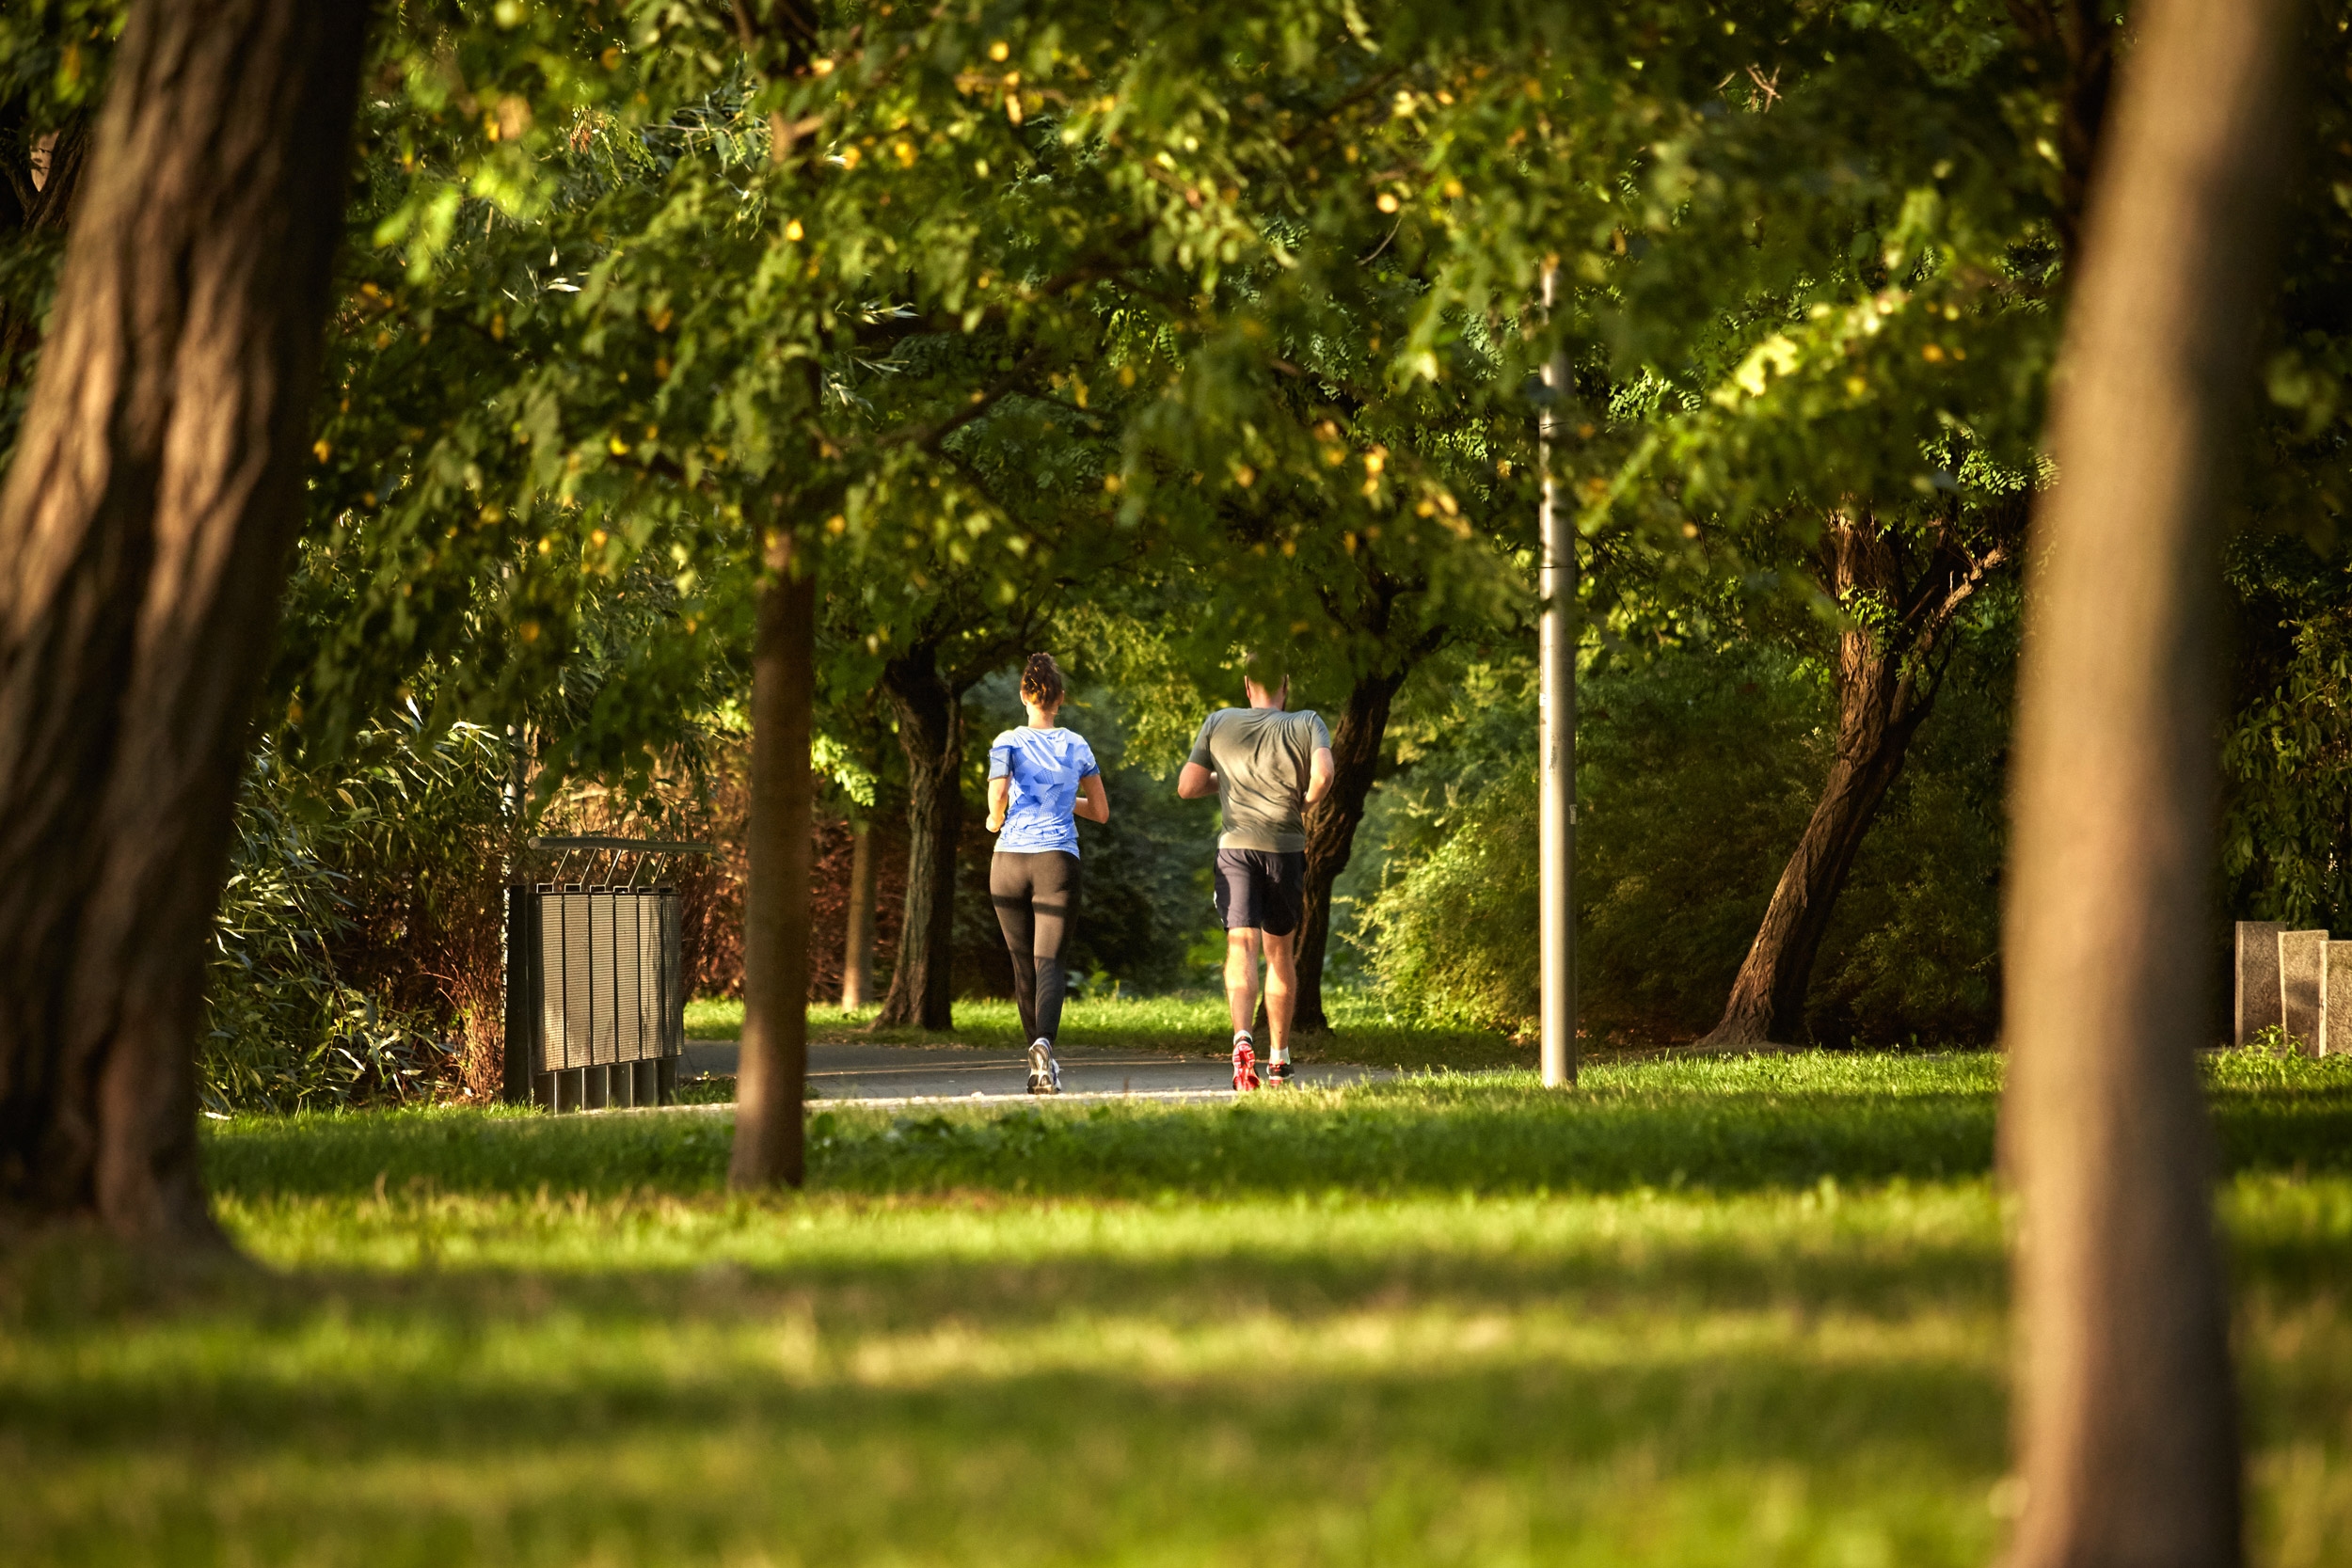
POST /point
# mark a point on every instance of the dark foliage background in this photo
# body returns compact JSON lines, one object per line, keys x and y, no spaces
{"x":1697,"y":764}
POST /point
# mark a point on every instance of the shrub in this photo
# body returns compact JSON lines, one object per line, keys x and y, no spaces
{"x":1454,"y":937}
{"x":1696,"y":770}
{"x":289,"y":1020}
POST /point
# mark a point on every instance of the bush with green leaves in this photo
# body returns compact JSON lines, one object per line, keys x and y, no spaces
{"x":2286,"y":753}
{"x":1697,"y":768}
{"x":357,"y":948}
{"x":1454,"y":937}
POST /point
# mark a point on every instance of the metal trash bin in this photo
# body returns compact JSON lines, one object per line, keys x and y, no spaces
{"x":596,"y":996}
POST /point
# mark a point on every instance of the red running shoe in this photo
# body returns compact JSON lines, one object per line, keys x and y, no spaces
{"x":1245,"y":1067}
{"x":1277,"y":1074}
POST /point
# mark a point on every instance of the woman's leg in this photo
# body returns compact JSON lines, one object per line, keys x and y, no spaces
{"x":1053,"y":904}
{"x":1009,"y":888}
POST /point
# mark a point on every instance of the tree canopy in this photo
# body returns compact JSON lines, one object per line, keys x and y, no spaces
{"x":1202,"y":329}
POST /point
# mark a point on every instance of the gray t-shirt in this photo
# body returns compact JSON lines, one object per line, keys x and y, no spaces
{"x":1261,"y":756}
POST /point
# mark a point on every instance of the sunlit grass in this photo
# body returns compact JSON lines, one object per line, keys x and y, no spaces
{"x":1725,"y":1311}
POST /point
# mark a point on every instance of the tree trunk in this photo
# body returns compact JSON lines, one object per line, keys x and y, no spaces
{"x":772,"y":1079}
{"x":930,"y":730}
{"x":857,"y":948}
{"x":144,"y":529}
{"x":2125,"y":1417}
{"x":1331,"y":824}
{"x":1879,"y":707}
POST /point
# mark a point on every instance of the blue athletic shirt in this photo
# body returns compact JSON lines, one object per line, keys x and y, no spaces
{"x":1044,"y":766}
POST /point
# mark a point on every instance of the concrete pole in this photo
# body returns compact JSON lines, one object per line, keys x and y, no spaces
{"x":1556,"y":642}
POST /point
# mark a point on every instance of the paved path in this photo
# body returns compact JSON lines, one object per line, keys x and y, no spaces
{"x":895,"y":1075}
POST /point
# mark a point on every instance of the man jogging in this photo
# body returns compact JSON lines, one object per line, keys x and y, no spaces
{"x":1265,"y":766}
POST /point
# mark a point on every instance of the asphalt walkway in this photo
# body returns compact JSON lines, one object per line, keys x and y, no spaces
{"x":899,"y":1074}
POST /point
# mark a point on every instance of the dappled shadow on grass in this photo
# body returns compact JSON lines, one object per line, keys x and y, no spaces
{"x":1314,"y":1274}
{"x":1065,"y":1466}
{"x":1760,"y":1406}
{"x":910,"y":1402}
{"x":1697,"y":1356}
{"x":1508,"y":1144}
{"x":2282,"y":1131}
{"x":1443,"y":1135}
{"x":1453,"y":1320}
{"x":1486,"y":1140}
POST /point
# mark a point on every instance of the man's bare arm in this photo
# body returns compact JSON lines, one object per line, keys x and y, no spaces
{"x":1319,"y":775}
{"x":1195,"y":782}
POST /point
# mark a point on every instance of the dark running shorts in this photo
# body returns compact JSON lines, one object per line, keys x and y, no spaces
{"x":1264,"y":889}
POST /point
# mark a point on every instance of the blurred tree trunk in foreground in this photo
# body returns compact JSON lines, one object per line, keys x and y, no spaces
{"x":2125,"y":1418}
{"x":144,"y":533}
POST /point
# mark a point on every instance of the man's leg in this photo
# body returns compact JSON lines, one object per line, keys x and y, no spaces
{"x":1281,"y":992}
{"x":1284,"y":899}
{"x":1241,"y":976}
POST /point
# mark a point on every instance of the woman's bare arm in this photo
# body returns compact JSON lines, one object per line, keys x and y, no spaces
{"x":999,"y":797}
{"x":1092,"y":803}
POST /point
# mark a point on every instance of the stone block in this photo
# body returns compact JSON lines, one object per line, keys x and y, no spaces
{"x":2303,"y":987}
{"x":2335,"y":1028}
{"x":2257,"y":978}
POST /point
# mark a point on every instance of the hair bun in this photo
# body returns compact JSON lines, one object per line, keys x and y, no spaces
{"x":1040,"y":681}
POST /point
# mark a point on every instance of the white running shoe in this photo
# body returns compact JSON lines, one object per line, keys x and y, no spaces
{"x":1044,"y":1073}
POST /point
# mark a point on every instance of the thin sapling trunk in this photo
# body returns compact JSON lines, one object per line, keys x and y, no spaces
{"x":772,"y":1087}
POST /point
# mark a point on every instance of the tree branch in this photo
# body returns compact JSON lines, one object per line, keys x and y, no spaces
{"x":928,"y":436}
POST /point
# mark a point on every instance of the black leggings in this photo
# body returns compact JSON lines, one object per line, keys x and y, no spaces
{"x":1036,"y":897}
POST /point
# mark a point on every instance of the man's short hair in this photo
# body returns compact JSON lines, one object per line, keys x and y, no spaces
{"x":1264,"y":668}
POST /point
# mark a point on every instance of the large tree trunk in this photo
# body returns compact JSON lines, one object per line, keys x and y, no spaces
{"x":2125,"y":1418}
{"x":1880,"y":704}
{"x":857,"y":943}
{"x":1331,"y":824}
{"x":930,"y":731}
{"x":144,"y":531}
{"x":772,"y":1080}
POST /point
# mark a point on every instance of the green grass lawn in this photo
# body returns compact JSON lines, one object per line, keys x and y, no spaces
{"x":1740,"y":1311}
{"x":1362,"y":1030}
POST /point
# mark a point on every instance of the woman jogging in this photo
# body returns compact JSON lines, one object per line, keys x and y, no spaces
{"x":1038,"y":776}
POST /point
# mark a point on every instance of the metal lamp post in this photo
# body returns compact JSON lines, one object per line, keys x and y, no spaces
{"x":1556,"y":738}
